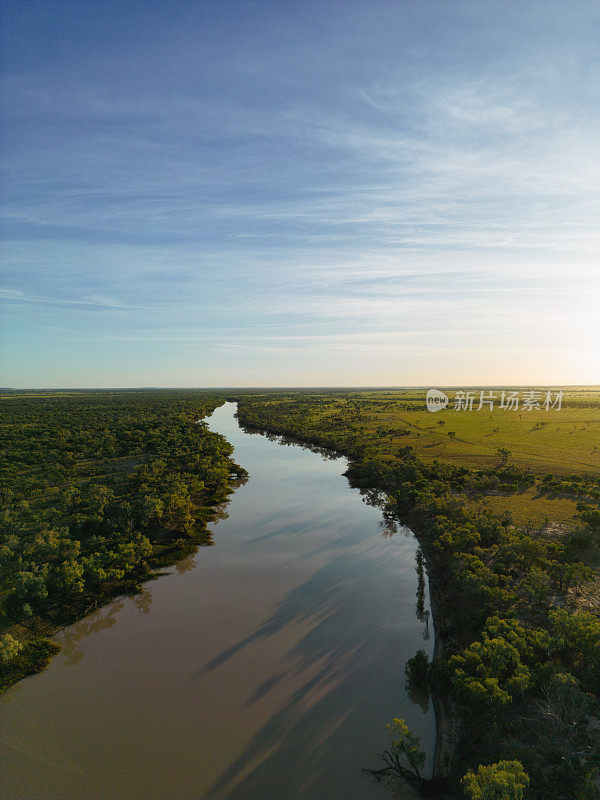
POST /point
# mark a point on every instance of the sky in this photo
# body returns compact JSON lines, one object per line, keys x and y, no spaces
{"x":290,"y":193}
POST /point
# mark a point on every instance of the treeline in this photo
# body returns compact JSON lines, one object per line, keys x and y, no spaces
{"x":98,"y":489}
{"x":520,"y":660}
{"x":573,"y":485}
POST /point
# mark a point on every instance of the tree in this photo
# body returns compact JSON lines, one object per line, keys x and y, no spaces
{"x":404,"y":759}
{"x":592,"y":518}
{"x":178,"y":512}
{"x":100,"y":496}
{"x":503,"y":454}
{"x":490,"y":673}
{"x":562,"y":704}
{"x":504,"y":780}
{"x":406,"y":744}
{"x":578,"y":636}
{"x":151,"y":511}
{"x":417,"y":669}
{"x":9,"y":649}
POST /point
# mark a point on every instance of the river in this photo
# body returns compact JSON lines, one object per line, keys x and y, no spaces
{"x":263,"y":668}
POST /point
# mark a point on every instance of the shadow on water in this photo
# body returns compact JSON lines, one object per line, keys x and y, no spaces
{"x":347,"y":682}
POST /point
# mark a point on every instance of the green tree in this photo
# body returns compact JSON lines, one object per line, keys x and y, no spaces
{"x":9,"y":649}
{"x":490,"y":673}
{"x":151,"y":511}
{"x":504,"y":780}
{"x":417,"y":669}
{"x":503,"y":454}
{"x":578,"y":637}
{"x":406,"y":745}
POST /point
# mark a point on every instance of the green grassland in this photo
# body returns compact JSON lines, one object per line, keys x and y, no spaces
{"x":560,"y":441}
{"x":563,"y":441}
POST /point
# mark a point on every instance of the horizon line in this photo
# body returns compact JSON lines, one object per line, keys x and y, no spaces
{"x":296,"y":387}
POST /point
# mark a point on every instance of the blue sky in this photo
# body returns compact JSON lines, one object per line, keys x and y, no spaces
{"x":300,"y":193}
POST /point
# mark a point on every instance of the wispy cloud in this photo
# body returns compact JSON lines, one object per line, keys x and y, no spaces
{"x":395,"y":171}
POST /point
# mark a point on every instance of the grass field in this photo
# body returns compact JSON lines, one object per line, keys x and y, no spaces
{"x":563,"y":441}
{"x":560,"y":441}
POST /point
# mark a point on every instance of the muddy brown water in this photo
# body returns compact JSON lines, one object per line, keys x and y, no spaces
{"x":263,"y":668}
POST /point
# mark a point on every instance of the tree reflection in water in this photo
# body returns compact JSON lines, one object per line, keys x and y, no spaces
{"x":96,"y":621}
{"x":143,"y":600}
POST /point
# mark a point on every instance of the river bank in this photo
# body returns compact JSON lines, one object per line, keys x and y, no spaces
{"x":38,"y":631}
{"x":129,"y":488}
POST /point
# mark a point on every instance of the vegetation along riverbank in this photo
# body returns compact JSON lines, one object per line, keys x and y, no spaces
{"x":505,"y":504}
{"x":99,"y":490}
{"x":102,"y":488}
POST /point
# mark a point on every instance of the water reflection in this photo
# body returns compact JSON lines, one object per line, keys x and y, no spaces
{"x":98,"y":620}
{"x":342,"y":653}
{"x":388,"y":524}
{"x":143,"y":599}
{"x":419,"y":695}
{"x":186,"y":564}
{"x":298,"y":746}
{"x":290,"y":441}
{"x":333,"y":600}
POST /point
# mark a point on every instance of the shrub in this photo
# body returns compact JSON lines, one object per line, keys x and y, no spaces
{"x":504,"y":780}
